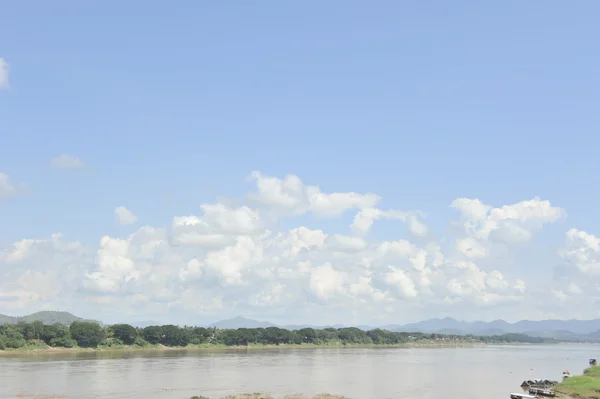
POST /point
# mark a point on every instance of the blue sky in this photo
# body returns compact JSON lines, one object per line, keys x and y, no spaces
{"x":420,"y":103}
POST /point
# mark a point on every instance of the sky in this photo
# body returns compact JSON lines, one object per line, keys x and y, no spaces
{"x":300,"y":162}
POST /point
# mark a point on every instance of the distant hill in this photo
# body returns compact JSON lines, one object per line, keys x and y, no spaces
{"x":595,"y":336}
{"x":568,"y":330}
{"x":241,"y":322}
{"x":577,"y":330}
{"x":145,"y":323}
{"x":300,"y":326}
{"x":46,"y":317}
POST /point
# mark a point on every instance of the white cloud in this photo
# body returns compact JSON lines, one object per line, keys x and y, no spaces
{"x":576,"y":283}
{"x":342,"y":243}
{"x":9,"y":189}
{"x":229,"y":260}
{"x":560,"y":295}
{"x":509,"y":222}
{"x":124,"y":215}
{"x":582,"y":251}
{"x":291,"y":196}
{"x":40,"y":284}
{"x":326,"y":282}
{"x":64,"y":161}
{"x":217,"y":227}
{"x":363,"y":220}
{"x":4,"y":70}
{"x":482,"y":226}
{"x":471,"y":248}
{"x":398,"y":279}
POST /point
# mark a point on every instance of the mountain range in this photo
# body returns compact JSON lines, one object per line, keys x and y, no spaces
{"x":569,"y":330}
{"x":242,"y":322}
{"x":46,"y":317}
{"x":544,"y":328}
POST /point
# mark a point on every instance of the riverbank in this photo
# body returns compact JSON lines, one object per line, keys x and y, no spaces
{"x":212,"y":347}
{"x":266,"y":396}
{"x":586,"y":386}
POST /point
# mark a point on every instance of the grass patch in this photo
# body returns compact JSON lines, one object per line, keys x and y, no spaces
{"x":583,"y":386}
{"x":593,"y":371}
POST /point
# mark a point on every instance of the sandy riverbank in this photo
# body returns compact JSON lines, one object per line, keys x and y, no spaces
{"x":266,"y":396}
{"x":50,"y":350}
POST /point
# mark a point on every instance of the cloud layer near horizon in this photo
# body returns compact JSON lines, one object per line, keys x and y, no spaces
{"x":230,"y":260}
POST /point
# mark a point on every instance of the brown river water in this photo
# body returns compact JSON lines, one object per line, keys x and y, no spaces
{"x":489,"y":372}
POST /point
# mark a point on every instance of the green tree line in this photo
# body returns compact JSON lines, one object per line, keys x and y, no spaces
{"x":92,"y":335}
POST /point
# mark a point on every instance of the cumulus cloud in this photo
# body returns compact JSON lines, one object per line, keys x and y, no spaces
{"x":64,"y":161}
{"x":291,"y":196}
{"x":124,"y":215}
{"x":40,"y":284}
{"x":364,"y":219}
{"x":217,"y":227}
{"x":481,"y":226}
{"x":228,"y":260}
{"x":582,"y":252}
{"x":576,"y":282}
{"x":4,"y":70}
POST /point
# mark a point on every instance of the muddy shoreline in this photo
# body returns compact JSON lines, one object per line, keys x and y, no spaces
{"x":159,"y":348}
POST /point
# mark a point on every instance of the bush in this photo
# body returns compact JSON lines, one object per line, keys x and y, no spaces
{"x":14,"y":343}
{"x":139,"y":341}
{"x":37,"y":343}
{"x":63,"y":342}
{"x":112,"y":343}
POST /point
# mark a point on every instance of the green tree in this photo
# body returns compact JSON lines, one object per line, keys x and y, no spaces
{"x":58,"y":331}
{"x":32,"y":330}
{"x":382,"y":337}
{"x":125,"y":333}
{"x":277,"y":336}
{"x":307,"y":335}
{"x":199,"y":335}
{"x":326,"y":334}
{"x":12,"y":337}
{"x":86,"y":334}
{"x":353,"y":335}
{"x":152,"y":334}
{"x":174,"y":336}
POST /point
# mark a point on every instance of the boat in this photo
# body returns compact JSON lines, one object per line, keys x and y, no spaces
{"x":522,"y":396}
{"x":538,"y":383}
{"x":542,"y":392}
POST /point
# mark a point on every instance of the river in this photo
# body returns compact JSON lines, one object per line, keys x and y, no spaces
{"x":375,"y":373}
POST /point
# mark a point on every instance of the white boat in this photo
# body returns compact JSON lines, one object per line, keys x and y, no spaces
{"x":522,"y":396}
